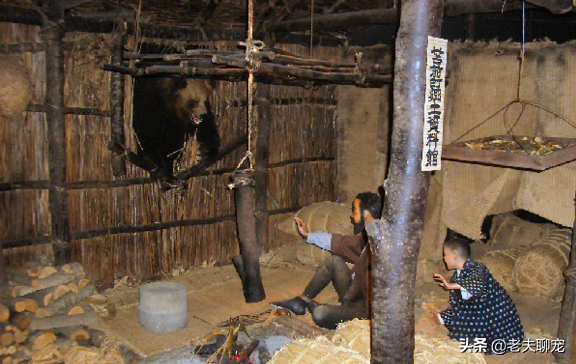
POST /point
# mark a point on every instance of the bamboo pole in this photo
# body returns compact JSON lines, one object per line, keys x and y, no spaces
{"x":397,"y":236}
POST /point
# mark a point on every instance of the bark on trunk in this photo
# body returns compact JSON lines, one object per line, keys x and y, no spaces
{"x":249,"y":249}
{"x":396,"y":237}
{"x":568,"y":313}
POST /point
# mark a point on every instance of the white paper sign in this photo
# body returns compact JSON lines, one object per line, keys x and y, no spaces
{"x":436,"y":56}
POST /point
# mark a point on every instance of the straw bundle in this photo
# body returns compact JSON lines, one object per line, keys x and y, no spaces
{"x":510,"y":231}
{"x":92,"y":355}
{"x":318,"y":351}
{"x":540,"y":270}
{"x":443,"y":350}
{"x":15,"y":89}
{"x":501,"y":264}
{"x":351,"y":344}
{"x":330,"y":217}
{"x":355,"y":335}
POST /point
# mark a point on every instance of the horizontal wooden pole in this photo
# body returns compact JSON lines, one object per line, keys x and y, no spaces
{"x":44,"y":184}
{"x":265,"y":73}
{"x":300,"y":161}
{"x":332,"y":21}
{"x":134,"y":229}
{"x":15,"y":14}
{"x":71,"y":110}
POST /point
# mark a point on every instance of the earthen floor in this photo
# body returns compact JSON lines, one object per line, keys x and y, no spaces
{"x":215,"y":295}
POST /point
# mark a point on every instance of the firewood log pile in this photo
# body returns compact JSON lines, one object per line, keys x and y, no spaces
{"x":49,"y":315}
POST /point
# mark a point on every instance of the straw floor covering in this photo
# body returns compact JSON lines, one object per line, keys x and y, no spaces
{"x":215,"y":295}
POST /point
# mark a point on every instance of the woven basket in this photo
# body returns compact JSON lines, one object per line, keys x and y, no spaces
{"x":501,"y":264}
{"x":539,"y":271}
{"x":15,"y":89}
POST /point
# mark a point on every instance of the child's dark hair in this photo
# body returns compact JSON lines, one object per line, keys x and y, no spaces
{"x":371,"y":202}
{"x":459,"y":245}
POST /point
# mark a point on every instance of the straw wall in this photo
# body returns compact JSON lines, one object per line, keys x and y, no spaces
{"x":302,"y":126}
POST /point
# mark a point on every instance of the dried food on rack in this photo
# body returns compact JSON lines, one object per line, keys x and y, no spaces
{"x":524,"y":145}
{"x":515,"y":151}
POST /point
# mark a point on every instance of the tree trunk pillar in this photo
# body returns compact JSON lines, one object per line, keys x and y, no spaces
{"x":395,"y":239}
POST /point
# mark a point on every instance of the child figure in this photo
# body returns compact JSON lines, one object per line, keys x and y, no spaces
{"x":481,"y":313}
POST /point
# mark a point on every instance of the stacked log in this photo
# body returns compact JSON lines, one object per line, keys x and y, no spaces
{"x":46,"y":314}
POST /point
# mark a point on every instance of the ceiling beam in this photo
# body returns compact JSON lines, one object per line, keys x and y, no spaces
{"x":331,"y":21}
{"x":389,"y":16}
{"x":461,"y":7}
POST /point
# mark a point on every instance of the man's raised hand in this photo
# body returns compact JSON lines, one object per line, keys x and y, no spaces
{"x":301,"y":227}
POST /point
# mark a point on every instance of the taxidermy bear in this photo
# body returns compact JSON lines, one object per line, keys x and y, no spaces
{"x":167,"y":112}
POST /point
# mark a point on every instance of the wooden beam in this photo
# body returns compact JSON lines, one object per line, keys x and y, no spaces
{"x":117,"y":107}
{"x":70,"y":4}
{"x":44,"y":185}
{"x":4,"y":285}
{"x":462,"y":7}
{"x":567,"y":323}
{"x":261,"y":154}
{"x":55,"y":119}
{"x":267,"y":72}
{"x":331,"y":21}
{"x":136,"y":229}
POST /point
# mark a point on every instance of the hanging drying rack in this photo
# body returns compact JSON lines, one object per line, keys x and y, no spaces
{"x":535,"y":153}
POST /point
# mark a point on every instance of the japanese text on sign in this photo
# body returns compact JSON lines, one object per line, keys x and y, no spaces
{"x":436,"y":56}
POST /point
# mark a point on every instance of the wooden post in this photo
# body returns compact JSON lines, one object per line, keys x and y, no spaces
{"x":4,"y":287}
{"x":567,"y":322}
{"x":118,"y":139}
{"x":52,"y":35}
{"x":395,"y":239}
{"x":261,"y":155}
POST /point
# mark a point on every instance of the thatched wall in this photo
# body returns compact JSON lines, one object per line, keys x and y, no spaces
{"x":302,"y":126}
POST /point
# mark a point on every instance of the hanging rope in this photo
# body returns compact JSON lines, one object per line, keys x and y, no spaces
{"x":253,"y":48}
{"x":518,"y":100}
{"x":521,"y":56}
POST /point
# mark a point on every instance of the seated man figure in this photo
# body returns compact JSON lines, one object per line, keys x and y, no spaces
{"x":352,"y":286}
